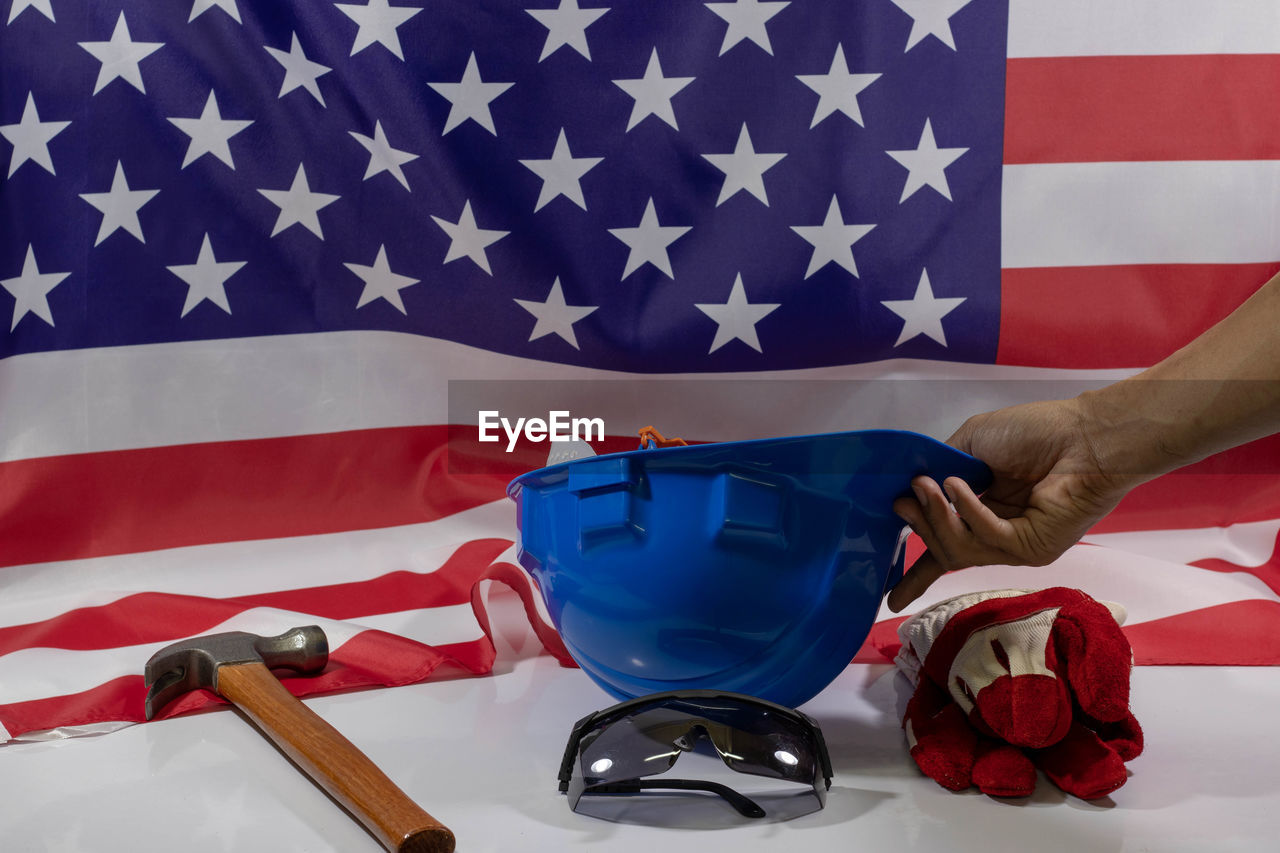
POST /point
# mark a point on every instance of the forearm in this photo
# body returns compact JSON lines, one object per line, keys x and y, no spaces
{"x":1220,"y":390}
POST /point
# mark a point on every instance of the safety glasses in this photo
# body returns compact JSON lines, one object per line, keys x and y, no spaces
{"x":614,"y":751}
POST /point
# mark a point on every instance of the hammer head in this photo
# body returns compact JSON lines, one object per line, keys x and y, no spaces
{"x":193,"y":663}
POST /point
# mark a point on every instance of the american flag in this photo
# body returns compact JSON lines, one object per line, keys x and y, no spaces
{"x":247,"y":245}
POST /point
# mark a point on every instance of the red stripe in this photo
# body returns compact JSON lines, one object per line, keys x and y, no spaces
{"x":1242,"y":633}
{"x":153,"y":617}
{"x":1236,"y":486}
{"x":95,"y":504}
{"x":1115,"y":316}
{"x":1109,"y":108}
{"x":369,"y":659}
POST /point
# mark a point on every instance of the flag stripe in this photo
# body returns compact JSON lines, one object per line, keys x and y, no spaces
{"x":1094,"y":214}
{"x":1241,"y":633}
{"x":1142,"y":108}
{"x":1142,"y":27}
{"x":125,"y":398}
{"x":68,"y":507}
{"x":149,"y":617}
{"x":367,"y":659}
{"x":1053,"y":316}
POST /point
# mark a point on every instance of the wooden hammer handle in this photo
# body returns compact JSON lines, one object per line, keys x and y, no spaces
{"x":333,"y":762}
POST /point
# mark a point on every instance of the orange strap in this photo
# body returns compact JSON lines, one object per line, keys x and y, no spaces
{"x":649,"y":434}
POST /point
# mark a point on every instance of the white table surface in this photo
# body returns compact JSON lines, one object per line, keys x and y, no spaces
{"x":481,"y":754}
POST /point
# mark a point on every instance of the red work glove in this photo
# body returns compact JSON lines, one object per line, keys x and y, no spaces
{"x":1011,"y":680}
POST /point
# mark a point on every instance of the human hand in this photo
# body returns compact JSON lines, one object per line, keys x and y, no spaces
{"x":1051,"y":483}
{"x":1009,"y":681}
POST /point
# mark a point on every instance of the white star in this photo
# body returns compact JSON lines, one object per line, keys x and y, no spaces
{"x":747,"y":20}
{"x":927,"y":164}
{"x":30,"y":138}
{"x":380,"y":282}
{"x":120,"y":56}
{"x":299,"y":71}
{"x":562,"y":174}
{"x":737,"y":318}
{"x":210,"y":134}
{"x":467,"y":240}
{"x":566,"y":25}
{"x":382,"y":157}
{"x":743,"y":169}
{"x":378,"y":22}
{"x":832,"y":240}
{"x":837,"y":90}
{"x":206,"y":278}
{"x":653,"y":93}
{"x":649,"y":241}
{"x":930,"y":18}
{"x":199,"y":7}
{"x":119,"y":206}
{"x":470,"y":98}
{"x":30,"y":290}
{"x":923,"y":313}
{"x":44,"y":7}
{"x":554,"y":316}
{"x":299,"y":205}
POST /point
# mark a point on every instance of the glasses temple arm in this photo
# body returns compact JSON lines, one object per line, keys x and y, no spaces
{"x":745,"y":806}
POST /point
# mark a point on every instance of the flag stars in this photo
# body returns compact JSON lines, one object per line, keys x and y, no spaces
{"x":838,"y":89}
{"x":206,"y":278}
{"x":554,"y":316}
{"x":378,"y":21}
{"x":470,"y":97}
{"x":210,"y":133}
{"x":832,"y":241}
{"x":299,"y":205}
{"x":30,"y":290}
{"x":562,"y":174}
{"x":923,"y":313}
{"x":44,"y":7}
{"x":930,"y":18}
{"x":120,"y":56}
{"x":747,"y":19}
{"x":467,"y":239}
{"x":382,"y":157}
{"x":299,"y":72}
{"x":199,"y":7}
{"x":653,"y":93}
{"x":927,"y":164}
{"x":648,"y":242}
{"x":119,"y":207}
{"x":30,"y":138}
{"x":566,"y":27}
{"x":736,"y":319}
{"x":380,"y":282}
{"x":743,"y":169}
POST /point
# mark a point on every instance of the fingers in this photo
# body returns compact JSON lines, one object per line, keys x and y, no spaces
{"x":924,"y":571}
{"x":967,"y":535}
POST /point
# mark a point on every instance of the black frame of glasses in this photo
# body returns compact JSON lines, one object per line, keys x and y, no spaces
{"x":744,"y":805}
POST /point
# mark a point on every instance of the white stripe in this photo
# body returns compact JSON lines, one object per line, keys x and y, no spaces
{"x":1147,"y":587}
{"x":1093,"y":214}
{"x":39,"y":673}
{"x":1250,"y":544}
{"x":44,"y":590}
{"x":91,"y":400}
{"x":1142,"y":27}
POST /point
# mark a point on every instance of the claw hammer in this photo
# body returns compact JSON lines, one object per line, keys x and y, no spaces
{"x":237,"y":666}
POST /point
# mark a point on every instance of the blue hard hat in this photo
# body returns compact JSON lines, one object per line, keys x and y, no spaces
{"x":756,"y":567}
